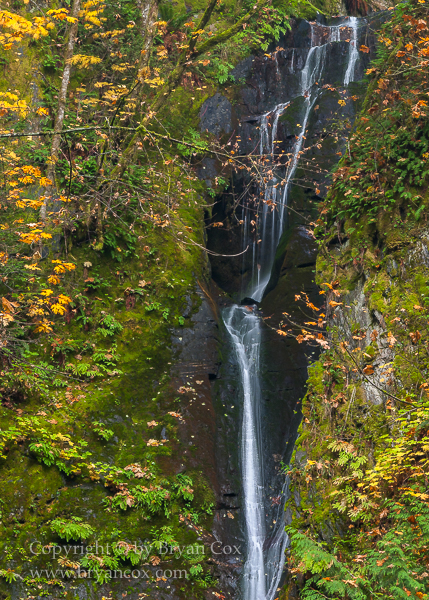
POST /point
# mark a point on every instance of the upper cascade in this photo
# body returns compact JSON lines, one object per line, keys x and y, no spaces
{"x":272,"y":211}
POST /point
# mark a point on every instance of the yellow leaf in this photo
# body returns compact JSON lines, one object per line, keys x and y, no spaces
{"x":5,"y":319}
{"x":8,"y":306}
{"x":58,"y":309}
{"x":62,"y":299}
{"x":43,"y":327}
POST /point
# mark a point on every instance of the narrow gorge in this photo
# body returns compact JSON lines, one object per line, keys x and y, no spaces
{"x":266,"y":543}
{"x":214,"y":281}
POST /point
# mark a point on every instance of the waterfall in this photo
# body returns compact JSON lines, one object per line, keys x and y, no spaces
{"x":243,"y":326}
{"x":266,"y":549}
{"x":353,"y":52}
{"x":267,"y":141}
{"x":312,"y":72}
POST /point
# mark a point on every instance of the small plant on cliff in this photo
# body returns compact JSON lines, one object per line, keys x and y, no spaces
{"x":100,"y":430}
{"x":72,"y":529}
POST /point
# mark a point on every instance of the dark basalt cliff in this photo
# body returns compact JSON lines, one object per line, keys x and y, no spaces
{"x":266,"y":82}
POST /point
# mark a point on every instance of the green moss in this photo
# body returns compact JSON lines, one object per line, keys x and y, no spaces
{"x":125,"y":403}
{"x":293,"y":114}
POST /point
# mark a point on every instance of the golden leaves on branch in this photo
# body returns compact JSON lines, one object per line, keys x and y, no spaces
{"x":34,"y":236}
{"x":62,"y":267}
{"x":20,"y":27}
{"x":9,"y":309}
{"x":84,"y":61}
{"x":61,"y":15}
{"x":335,"y":304}
{"x":54,"y":279}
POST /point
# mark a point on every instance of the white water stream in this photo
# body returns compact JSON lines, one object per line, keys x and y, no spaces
{"x":264,"y":561}
{"x":353,"y":52}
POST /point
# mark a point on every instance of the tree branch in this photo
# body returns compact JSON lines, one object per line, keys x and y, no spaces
{"x":176,"y":75}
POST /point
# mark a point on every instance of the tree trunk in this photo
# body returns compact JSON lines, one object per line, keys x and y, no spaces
{"x":62,"y":103}
{"x":149,"y":15}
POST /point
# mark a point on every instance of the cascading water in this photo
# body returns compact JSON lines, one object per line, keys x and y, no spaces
{"x":266,"y":545}
{"x":353,"y":52}
{"x":244,"y":328}
{"x":271,"y":232}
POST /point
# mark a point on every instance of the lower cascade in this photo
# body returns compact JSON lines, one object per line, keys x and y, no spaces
{"x":266,"y":546}
{"x":263,"y":567}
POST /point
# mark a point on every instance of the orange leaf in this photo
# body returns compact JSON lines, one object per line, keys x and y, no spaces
{"x":9,"y":307}
{"x":311,"y":305}
{"x":415,"y":336}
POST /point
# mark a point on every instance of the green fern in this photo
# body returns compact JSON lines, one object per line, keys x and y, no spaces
{"x":73,"y":529}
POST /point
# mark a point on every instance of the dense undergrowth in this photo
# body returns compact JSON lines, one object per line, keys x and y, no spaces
{"x":359,"y":478}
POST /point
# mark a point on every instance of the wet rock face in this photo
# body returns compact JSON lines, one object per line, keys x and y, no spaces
{"x":271,"y":81}
{"x":276,"y":80}
{"x":216,"y":115}
{"x":206,"y":432}
{"x":301,"y":250}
